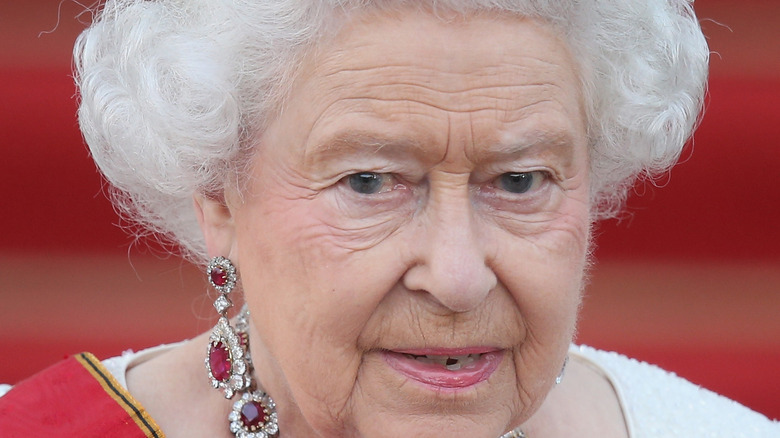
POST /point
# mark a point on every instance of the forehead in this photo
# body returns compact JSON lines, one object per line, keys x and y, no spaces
{"x":415,"y":75}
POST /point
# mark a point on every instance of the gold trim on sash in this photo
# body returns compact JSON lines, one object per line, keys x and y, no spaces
{"x":118,"y":393}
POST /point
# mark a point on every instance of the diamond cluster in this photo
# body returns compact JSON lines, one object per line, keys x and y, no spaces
{"x":224,"y":340}
{"x":254,"y":416}
{"x":222,"y":275}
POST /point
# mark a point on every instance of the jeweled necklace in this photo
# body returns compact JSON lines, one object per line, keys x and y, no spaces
{"x":254,"y":413}
{"x":517,"y":433}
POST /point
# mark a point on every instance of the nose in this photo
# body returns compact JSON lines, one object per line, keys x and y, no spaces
{"x":451,"y":258}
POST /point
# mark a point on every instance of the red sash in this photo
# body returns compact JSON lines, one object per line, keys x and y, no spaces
{"x":77,"y":397}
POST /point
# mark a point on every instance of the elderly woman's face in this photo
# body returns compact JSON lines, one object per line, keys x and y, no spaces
{"x":413,"y":234}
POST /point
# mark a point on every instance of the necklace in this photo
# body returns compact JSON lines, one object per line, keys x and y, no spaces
{"x":254,"y":413}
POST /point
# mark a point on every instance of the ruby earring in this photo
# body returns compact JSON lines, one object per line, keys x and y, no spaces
{"x":229,"y":365}
{"x":227,"y":362}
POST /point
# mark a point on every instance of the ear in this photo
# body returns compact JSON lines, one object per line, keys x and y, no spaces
{"x":216,"y":222}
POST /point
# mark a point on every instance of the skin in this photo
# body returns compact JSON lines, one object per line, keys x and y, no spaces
{"x":444,"y":255}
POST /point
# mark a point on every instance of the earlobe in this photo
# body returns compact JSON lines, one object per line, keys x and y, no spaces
{"x":216,"y":223}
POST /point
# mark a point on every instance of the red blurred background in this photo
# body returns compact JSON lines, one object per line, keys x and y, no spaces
{"x":689,"y":278}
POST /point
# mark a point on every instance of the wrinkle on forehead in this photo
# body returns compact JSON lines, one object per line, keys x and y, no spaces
{"x":501,"y":83}
{"x":448,"y":60}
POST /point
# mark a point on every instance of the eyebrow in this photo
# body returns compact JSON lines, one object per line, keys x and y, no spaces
{"x":353,"y":142}
{"x":357,"y":143}
{"x":555,"y":139}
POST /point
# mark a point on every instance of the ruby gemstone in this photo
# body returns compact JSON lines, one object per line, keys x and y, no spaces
{"x":252,"y":415}
{"x":219,"y":276}
{"x":219,"y":361}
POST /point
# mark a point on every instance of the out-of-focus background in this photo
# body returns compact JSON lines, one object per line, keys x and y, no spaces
{"x":689,"y":279}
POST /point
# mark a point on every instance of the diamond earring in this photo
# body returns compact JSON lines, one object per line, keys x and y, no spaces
{"x":227,"y":362}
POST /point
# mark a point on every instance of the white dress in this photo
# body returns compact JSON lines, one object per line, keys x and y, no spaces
{"x":655,"y":403}
{"x":658,"y":404}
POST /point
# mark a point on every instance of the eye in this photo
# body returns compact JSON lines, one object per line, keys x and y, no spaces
{"x":369,"y":183}
{"x":520,"y":182}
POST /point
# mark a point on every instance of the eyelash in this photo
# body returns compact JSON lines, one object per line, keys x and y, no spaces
{"x":368,"y":183}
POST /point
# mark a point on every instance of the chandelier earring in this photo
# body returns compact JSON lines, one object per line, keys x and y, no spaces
{"x":227,"y":361}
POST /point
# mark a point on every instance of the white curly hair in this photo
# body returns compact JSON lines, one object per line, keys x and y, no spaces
{"x":173,"y":91}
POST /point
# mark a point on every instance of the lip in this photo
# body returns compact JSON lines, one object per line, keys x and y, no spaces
{"x":439,"y":378}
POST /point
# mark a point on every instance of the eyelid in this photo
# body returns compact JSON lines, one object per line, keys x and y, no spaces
{"x":492,"y":169}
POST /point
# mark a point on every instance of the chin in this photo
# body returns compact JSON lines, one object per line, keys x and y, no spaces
{"x":388,"y":403}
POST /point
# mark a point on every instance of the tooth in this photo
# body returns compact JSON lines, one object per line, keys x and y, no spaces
{"x":452,"y":363}
{"x":424,"y":359}
{"x":441,"y":360}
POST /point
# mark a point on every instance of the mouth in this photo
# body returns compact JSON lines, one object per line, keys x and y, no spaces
{"x":446,"y":369}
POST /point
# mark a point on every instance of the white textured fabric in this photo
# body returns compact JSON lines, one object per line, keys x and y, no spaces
{"x":119,"y":365}
{"x":658,"y":404}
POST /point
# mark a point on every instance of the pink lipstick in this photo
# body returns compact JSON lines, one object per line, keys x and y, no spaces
{"x":446,"y":368}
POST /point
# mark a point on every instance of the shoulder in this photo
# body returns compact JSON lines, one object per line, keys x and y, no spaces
{"x":77,"y":396}
{"x":658,"y":403}
{"x":117,"y":366}
{"x":82,"y":396}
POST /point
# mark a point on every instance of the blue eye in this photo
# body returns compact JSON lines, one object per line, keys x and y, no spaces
{"x":519,"y":182}
{"x":366,"y":183}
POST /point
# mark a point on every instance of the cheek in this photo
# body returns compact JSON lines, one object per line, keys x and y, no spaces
{"x":288,"y":267}
{"x":303,"y":267}
{"x":310,"y":297}
{"x":552,"y":250}
{"x":544,"y":272}
{"x":546,"y":285}
{"x":292,"y":292}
